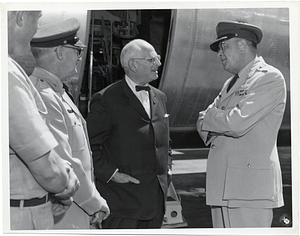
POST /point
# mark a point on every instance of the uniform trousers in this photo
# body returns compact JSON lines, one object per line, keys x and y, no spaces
{"x":239,"y":217}
{"x":31,"y":218}
{"x":127,"y":223}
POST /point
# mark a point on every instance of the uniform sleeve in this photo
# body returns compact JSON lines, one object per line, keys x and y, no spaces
{"x":260,"y":100}
{"x":99,"y":124}
{"x":87,"y":196}
{"x":204,"y":135}
{"x":29,"y":136}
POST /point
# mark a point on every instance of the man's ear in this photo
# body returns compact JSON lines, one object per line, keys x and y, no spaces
{"x":20,"y":18}
{"x":132,"y":65}
{"x":59,"y":52}
{"x":242,"y":45}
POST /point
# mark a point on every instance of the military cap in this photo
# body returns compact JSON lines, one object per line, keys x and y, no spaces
{"x":57,"y":33}
{"x":230,"y":29}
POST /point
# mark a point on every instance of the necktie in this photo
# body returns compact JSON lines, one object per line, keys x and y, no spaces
{"x":67,"y":91}
{"x":140,"y":88}
{"x":232,"y":82}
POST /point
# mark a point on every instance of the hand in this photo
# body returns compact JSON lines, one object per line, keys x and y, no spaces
{"x":60,"y":206}
{"x":97,"y":220}
{"x":72,"y":187}
{"x":104,"y":212}
{"x":99,"y":216}
{"x":201,"y":115}
{"x":200,"y":121}
{"x":124,"y":178}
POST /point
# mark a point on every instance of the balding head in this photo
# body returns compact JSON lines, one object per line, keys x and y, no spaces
{"x":140,"y":61}
{"x":134,"y":49}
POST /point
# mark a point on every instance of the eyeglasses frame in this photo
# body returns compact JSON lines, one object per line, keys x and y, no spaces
{"x":150,"y":60}
{"x":80,"y":50}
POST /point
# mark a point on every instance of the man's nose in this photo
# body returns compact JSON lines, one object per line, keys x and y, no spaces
{"x":220,"y":52}
{"x":157,"y":62}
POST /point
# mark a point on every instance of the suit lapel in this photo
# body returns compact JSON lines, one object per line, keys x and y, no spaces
{"x":133,"y":100}
{"x":153,"y":102}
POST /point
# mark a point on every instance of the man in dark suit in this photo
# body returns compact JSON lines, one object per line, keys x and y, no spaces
{"x":129,"y":136}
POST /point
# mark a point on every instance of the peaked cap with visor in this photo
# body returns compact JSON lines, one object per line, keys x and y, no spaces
{"x":58,"y":33}
{"x":234,"y":29}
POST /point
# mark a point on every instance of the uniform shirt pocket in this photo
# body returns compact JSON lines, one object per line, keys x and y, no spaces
{"x":76,"y":132}
{"x":249,"y":177}
{"x":248,"y":184}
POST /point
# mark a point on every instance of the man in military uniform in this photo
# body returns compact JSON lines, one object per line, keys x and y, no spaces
{"x":243,"y":172}
{"x":57,"y":50}
{"x":36,"y":171}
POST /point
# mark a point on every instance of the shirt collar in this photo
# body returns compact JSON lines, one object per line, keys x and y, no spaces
{"x":52,"y":79}
{"x":246,"y":68}
{"x":131,"y":84}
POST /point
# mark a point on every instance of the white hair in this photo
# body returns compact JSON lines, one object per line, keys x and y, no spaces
{"x":133,"y":49}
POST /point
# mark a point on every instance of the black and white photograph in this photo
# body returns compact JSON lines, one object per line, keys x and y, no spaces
{"x":150,"y":117}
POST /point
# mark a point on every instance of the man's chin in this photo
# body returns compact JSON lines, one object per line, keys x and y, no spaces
{"x":71,"y":79}
{"x":155,"y":77}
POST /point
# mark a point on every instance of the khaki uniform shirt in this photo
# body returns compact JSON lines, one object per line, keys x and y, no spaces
{"x":69,"y":128}
{"x":29,"y":137}
{"x":243,"y":168}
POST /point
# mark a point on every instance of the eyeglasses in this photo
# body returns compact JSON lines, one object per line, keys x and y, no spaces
{"x":222,"y":46}
{"x":155,"y":59}
{"x":80,"y":50}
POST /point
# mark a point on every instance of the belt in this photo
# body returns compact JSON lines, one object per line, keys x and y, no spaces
{"x":30,"y":202}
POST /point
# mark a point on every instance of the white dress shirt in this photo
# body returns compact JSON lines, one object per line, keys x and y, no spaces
{"x":143,"y":95}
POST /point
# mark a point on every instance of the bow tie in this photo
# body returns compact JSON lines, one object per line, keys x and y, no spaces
{"x":140,"y":88}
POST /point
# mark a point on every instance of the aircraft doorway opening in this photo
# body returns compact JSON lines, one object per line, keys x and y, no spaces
{"x":109,"y":31}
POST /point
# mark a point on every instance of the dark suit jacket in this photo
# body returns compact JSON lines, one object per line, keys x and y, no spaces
{"x":123,"y":136}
